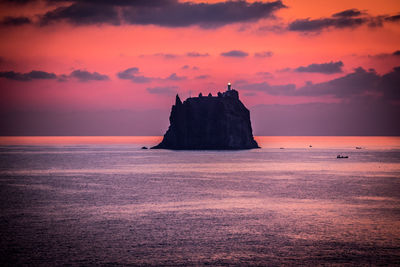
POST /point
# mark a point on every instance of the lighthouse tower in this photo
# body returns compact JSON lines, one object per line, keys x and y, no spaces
{"x":229,"y":86}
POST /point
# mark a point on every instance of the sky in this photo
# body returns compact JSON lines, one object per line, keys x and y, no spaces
{"x":86,"y":67}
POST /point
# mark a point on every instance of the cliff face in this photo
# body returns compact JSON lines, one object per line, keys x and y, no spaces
{"x":208,"y":122}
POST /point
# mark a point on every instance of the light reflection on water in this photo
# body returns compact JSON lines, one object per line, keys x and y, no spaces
{"x":116,"y":204}
{"x":368,"y":169}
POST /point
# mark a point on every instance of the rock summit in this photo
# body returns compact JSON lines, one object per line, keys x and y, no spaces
{"x":219,"y":122}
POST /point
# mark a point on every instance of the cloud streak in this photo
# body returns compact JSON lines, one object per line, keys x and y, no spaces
{"x":15,"y":21}
{"x":309,"y":25}
{"x":325,"y":68}
{"x":359,"y":83}
{"x":25,"y":77}
{"x":81,"y":13}
{"x":349,"y":13}
{"x":196,"y":54}
{"x":133,"y":75}
{"x":206,"y":15}
{"x":80,"y":75}
{"x":394,"y":18}
{"x":263,"y":54}
{"x":174,"y":77}
{"x":175,"y":13}
{"x":350,"y":18}
{"x":168,"y":13}
{"x":85,"y":76}
{"x":234,"y":53}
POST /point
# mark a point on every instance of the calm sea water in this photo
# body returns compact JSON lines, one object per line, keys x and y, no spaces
{"x":104,"y":201}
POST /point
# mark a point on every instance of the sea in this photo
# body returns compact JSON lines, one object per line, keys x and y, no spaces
{"x":105,"y":201}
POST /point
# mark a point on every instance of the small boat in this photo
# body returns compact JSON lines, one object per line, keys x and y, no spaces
{"x":144,"y":147}
{"x":281,"y":148}
{"x":342,"y":157}
{"x":310,"y":145}
{"x":358,"y":147}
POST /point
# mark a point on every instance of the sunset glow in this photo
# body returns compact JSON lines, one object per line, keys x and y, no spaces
{"x":102,"y":73}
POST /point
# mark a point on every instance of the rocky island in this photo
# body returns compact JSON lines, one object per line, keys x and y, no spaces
{"x":209,"y":123}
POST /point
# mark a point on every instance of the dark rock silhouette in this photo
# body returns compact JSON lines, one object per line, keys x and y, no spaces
{"x":206,"y":123}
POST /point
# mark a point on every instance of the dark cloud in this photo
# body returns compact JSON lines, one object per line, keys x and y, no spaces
{"x":385,"y":56}
{"x":84,"y":76}
{"x":325,"y":68}
{"x":17,"y":2}
{"x":263,"y":54}
{"x":206,"y":15}
{"x":37,"y":74}
{"x":394,"y":18}
{"x":350,"y":18}
{"x":234,"y":53}
{"x":33,"y":75}
{"x":167,"y":90}
{"x":128,"y":73}
{"x":390,"y":84}
{"x":370,"y":106}
{"x":354,"y":84}
{"x":133,"y":74}
{"x":196,"y":54}
{"x":167,"y":13}
{"x":137,"y":3}
{"x":309,"y":25}
{"x":348,"y":13}
{"x":174,"y":13}
{"x":81,"y":75}
{"x":15,"y":21}
{"x":174,"y":77}
{"x":360,"y":83}
{"x":81,"y":13}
